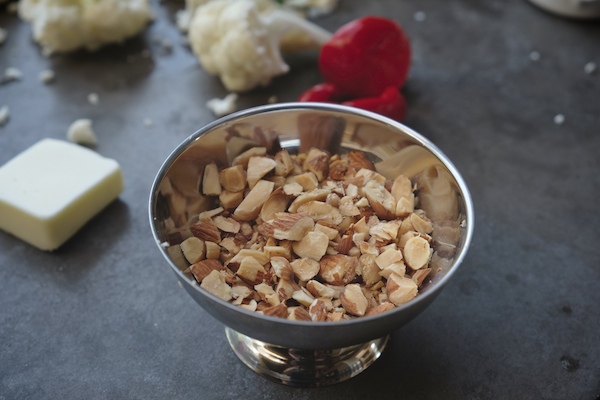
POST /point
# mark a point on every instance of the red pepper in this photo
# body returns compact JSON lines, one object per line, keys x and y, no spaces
{"x":390,"y":102}
{"x":323,"y":92}
{"x":366,"y":56}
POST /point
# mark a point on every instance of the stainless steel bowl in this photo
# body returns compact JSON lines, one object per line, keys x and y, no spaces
{"x":314,"y":353}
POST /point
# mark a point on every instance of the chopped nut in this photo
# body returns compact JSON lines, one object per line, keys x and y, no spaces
{"x":278,"y":181}
{"x":320,"y":211}
{"x":361,"y":226}
{"x":420,"y":223}
{"x":345,"y":244}
{"x":347,"y":207}
{"x":287,"y":227}
{"x":303,"y":297}
{"x":317,"y":289}
{"x":380,"y":308}
{"x":338,"y":269}
{"x":279,"y":311}
{"x":382,"y":202}
{"x":358,"y":160}
{"x":305,"y":268}
{"x":213,"y":250}
{"x":227,"y":224}
{"x":417,"y":252}
{"x":244,"y":157}
{"x":285,"y":289}
{"x":215,"y":284}
{"x":312,"y":245}
{"x":395,"y":268}
{"x":250,"y":207}
{"x":366,"y":175}
{"x":307,"y":180}
{"x":298,"y":314}
{"x":353,"y":300}
{"x":404,"y":207}
{"x":370,"y":270}
{"x":400,"y":290}
{"x":210,"y":213}
{"x":316,"y":194}
{"x":267,"y":293}
{"x":240,"y":292}
{"x":233,"y":179}
{"x":385,"y":231}
{"x":251,"y":270}
{"x":284,"y":164}
{"x":282,"y":267}
{"x":318,"y":310}
{"x":402,"y":188}
{"x":258,"y":255}
{"x":293,"y":189}
{"x":231,"y":199}
{"x":329,"y":232}
{"x":210,"y":181}
{"x":419,"y":276}
{"x":202,"y":269}
{"x":317,"y":161}
{"x":193,"y":249}
{"x":258,"y":167}
{"x":278,"y":251}
{"x":336,"y":316}
{"x":251,"y":306}
{"x":388,"y":257}
{"x":276,"y":203}
{"x":206,"y":230}
{"x":176,"y":255}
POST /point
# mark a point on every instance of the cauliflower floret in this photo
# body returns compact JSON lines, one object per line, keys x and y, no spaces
{"x":185,"y":16}
{"x":66,"y":25}
{"x":240,"y":42}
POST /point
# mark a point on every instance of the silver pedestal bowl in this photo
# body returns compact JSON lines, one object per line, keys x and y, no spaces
{"x":304,"y":353}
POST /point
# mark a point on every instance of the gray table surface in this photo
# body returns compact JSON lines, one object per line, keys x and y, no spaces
{"x":104,"y":318}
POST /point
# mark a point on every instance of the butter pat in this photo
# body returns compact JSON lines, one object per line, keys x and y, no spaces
{"x":49,"y":191}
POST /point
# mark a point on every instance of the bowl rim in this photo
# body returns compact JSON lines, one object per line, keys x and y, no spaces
{"x":417,"y":137}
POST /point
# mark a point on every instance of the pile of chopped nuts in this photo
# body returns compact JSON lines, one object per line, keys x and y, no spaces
{"x":308,"y":237}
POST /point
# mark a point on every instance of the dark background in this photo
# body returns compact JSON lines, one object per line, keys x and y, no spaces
{"x":104,"y":318}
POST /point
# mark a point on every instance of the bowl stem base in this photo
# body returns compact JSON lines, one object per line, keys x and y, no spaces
{"x":301,"y":367}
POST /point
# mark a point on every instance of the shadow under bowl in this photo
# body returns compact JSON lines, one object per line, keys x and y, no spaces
{"x":306,"y":353}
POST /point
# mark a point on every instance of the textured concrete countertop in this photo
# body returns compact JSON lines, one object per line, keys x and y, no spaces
{"x":103,"y":317}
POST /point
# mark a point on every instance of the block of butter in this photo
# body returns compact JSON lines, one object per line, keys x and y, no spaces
{"x":49,"y":191}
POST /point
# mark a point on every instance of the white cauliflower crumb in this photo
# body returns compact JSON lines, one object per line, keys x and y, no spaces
{"x":12,"y":74}
{"x":4,"y":115}
{"x":223,"y":106}
{"x":93,"y":99}
{"x":535,"y":56}
{"x":590,"y":68}
{"x":62,"y":26}
{"x":420,"y":16}
{"x":46,"y":76}
{"x":559,"y":119}
{"x":81,"y":132}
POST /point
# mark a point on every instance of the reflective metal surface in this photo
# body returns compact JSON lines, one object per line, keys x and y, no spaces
{"x":584,"y":9}
{"x":394,"y":148}
{"x":306,"y":368}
